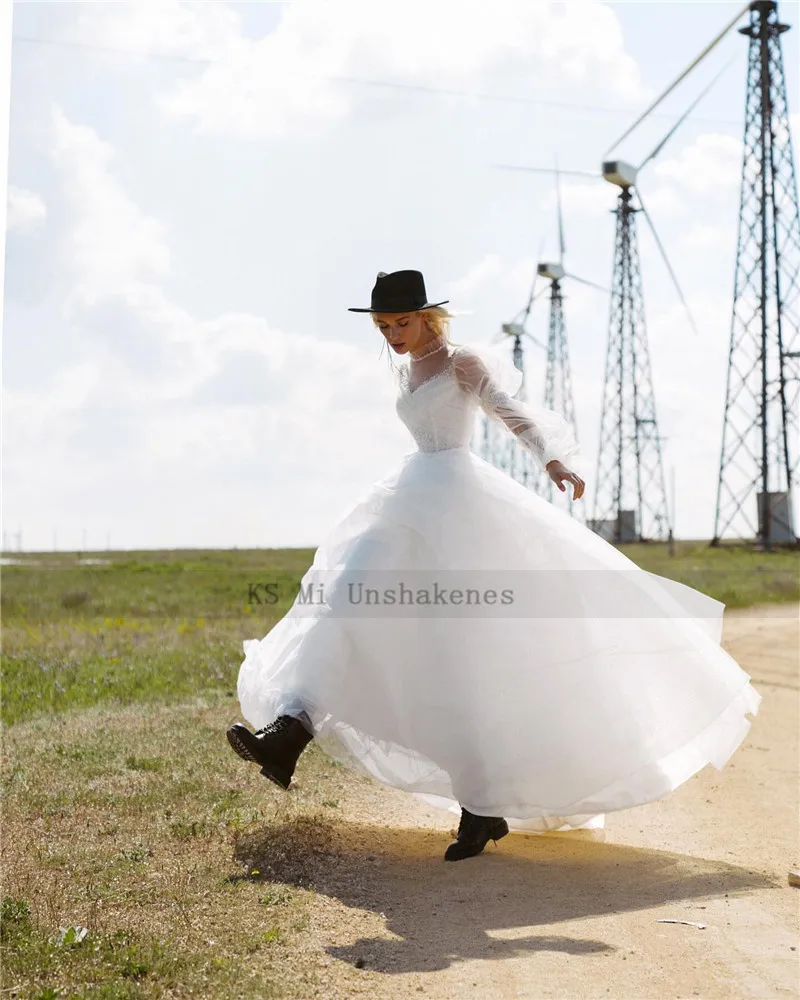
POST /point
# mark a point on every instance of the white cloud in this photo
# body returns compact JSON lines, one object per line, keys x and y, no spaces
{"x":39,"y":425}
{"x":514,"y":277}
{"x":710,"y":165}
{"x":26,"y":210}
{"x":268,"y":85}
{"x":712,"y":236}
{"x":155,"y":396}
{"x":207,"y":30}
{"x":111,"y":245}
{"x":185,"y":422}
{"x":589,"y":198}
{"x":662,"y":202}
{"x":486,"y":269}
{"x":521,"y":274}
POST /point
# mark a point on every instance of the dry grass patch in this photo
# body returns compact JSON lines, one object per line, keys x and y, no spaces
{"x":143,"y":859}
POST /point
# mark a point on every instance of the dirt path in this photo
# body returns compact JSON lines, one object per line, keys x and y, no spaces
{"x":576,"y":915}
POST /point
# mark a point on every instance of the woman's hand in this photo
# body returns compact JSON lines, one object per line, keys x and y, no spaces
{"x":559,"y":472}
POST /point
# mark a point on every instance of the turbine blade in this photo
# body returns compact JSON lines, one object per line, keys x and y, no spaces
{"x":663,"y":253}
{"x":548,"y":170}
{"x":561,"y":246}
{"x":712,"y":44}
{"x":532,"y":295}
{"x":686,"y":114}
{"x":583,"y":281}
{"x":537,"y":342}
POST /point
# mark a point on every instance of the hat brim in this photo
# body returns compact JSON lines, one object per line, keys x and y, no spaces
{"x":428,"y":305}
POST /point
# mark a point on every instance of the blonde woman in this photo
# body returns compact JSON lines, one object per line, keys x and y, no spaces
{"x":471,"y":643}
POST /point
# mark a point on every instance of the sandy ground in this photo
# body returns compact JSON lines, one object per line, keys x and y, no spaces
{"x":577,"y":915}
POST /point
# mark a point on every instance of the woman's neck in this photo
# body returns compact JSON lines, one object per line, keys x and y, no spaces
{"x":433,"y":346}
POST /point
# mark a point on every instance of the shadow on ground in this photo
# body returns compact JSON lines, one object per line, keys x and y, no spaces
{"x":442,"y":912}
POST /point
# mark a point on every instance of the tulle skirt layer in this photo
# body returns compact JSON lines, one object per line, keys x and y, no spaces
{"x":528,"y":669}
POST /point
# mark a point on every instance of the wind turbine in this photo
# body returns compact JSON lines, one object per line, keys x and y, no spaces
{"x":495,"y":444}
{"x":760,"y":456}
{"x":558,"y":376}
{"x":630,"y":499}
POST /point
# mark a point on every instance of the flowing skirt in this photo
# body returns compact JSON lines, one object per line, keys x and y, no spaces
{"x":462,"y":639}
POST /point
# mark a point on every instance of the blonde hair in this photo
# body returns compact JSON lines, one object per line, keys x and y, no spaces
{"x":436,"y":318}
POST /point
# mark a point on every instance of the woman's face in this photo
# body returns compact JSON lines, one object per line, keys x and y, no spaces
{"x":404,"y":332}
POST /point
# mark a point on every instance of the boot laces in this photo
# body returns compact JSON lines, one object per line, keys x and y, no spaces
{"x":280,"y":725}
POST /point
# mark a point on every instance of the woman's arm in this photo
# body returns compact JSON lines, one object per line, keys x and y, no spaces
{"x":545,"y":433}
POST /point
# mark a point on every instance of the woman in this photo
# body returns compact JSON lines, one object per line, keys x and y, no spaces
{"x":470,"y":642}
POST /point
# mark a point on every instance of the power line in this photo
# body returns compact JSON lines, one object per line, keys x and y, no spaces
{"x":387,"y":84}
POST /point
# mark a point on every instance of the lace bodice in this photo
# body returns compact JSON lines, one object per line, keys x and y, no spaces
{"x":440,"y":410}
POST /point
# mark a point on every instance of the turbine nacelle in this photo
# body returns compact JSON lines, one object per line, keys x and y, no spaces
{"x":620,"y":173}
{"x":555,"y":272}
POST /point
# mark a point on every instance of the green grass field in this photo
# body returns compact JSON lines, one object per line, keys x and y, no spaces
{"x":141,"y":857}
{"x":140,"y":627}
{"x":163,"y":625}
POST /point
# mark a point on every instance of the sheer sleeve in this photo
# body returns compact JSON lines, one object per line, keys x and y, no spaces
{"x":494,"y":380}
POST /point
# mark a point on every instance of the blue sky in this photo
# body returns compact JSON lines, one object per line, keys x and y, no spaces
{"x":187,"y":228}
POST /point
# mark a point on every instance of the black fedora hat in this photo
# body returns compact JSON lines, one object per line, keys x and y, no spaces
{"x":400,"y":291}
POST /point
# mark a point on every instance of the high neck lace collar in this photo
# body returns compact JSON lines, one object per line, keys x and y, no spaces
{"x":437,"y":344}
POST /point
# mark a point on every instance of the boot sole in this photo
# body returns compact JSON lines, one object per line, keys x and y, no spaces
{"x":275,"y":774}
{"x":239,"y":747}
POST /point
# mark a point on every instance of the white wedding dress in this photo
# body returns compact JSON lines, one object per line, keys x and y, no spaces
{"x":595,"y":686}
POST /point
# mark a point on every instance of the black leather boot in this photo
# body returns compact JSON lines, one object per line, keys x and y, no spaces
{"x":276,"y":747}
{"x":474,"y":833}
